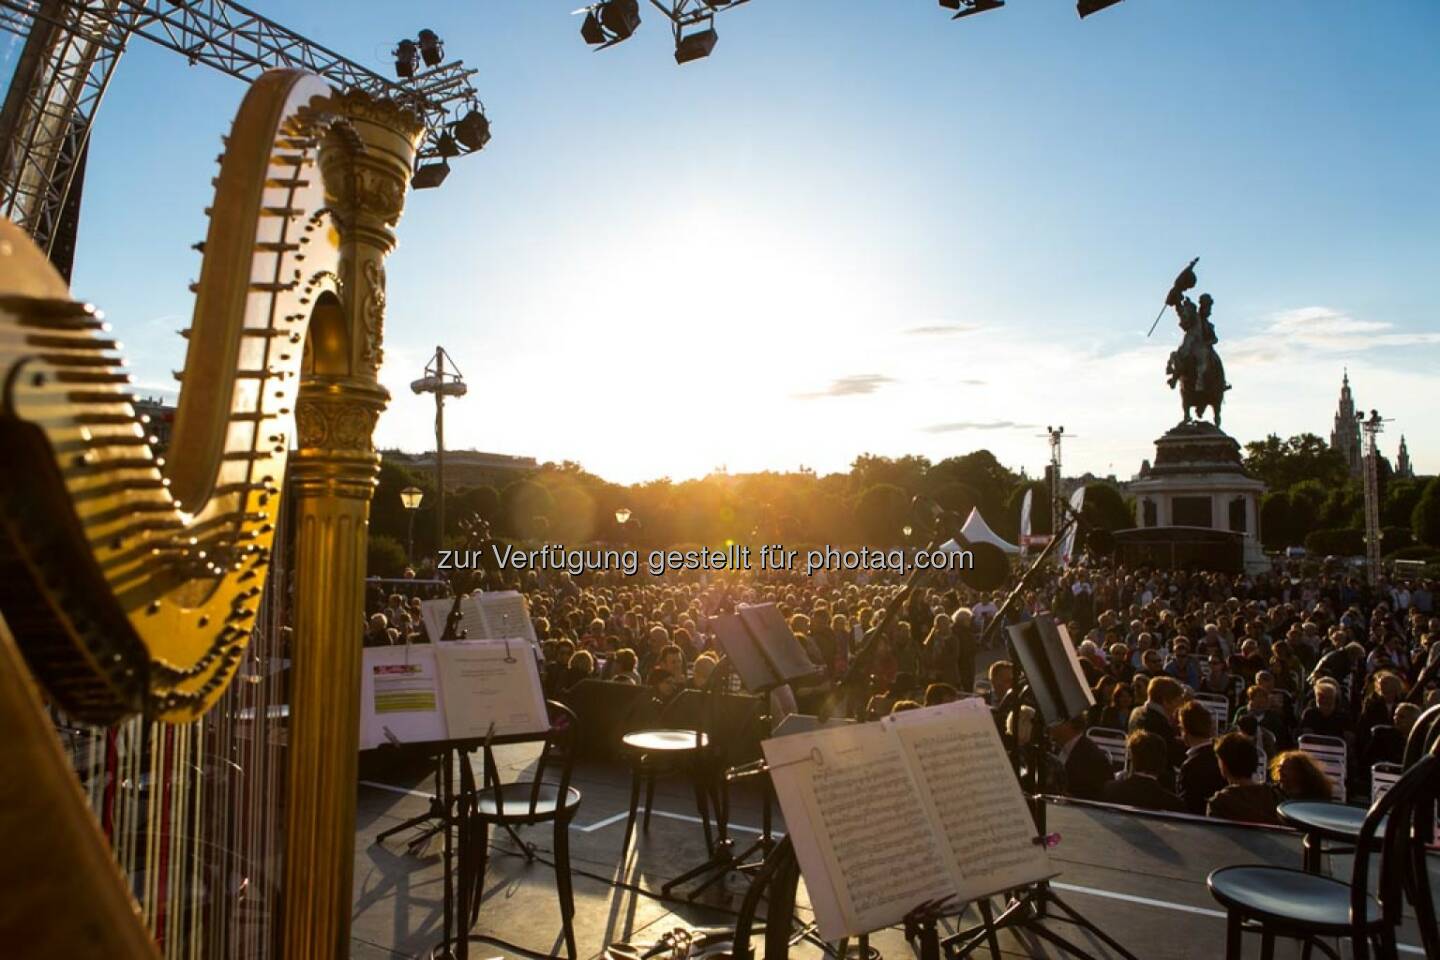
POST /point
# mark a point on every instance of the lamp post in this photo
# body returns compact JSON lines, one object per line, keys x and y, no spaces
{"x":435,"y":381}
{"x":410,"y":498}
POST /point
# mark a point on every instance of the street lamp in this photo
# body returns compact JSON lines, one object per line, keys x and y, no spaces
{"x":410,"y":498}
{"x":443,"y":383}
{"x":622,"y":515}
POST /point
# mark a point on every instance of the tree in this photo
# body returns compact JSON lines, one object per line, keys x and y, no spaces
{"x":1105,"y":508}
{"x":1277,"y":528}
{"x":1338,"y":543}
{"x":525,"y":508}
{"x":384,"y":557}
{"x":881,"y":513}
{"x":1343,"y":507}
{"x":981,"y":473}
{"x":1284,"y":463}
{"x":1399,"y":502}
{"x":1425,"y":521}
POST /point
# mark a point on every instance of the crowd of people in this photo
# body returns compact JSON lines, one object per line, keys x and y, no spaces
{"x":1210,"y":677}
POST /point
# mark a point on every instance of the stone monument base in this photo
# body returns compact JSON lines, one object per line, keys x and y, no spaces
{"x":1199,"y":482}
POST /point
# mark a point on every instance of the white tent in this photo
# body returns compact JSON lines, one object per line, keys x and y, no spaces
{"x":976,"y":530}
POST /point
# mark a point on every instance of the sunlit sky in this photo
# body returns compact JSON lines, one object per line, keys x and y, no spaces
{"x":859,"y":226}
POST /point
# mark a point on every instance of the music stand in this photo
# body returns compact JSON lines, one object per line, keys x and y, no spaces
{"x":759,"y":645}
{"x":1047,"y":676}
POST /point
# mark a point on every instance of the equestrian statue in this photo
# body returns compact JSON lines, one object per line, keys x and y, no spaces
{"x":1195,"y":366}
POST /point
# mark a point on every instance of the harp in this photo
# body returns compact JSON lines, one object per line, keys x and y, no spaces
{"x":130,"y":585}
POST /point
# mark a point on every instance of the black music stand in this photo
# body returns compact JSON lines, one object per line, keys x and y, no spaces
{"x":759,"y":645}
{"x":1049,"y":678}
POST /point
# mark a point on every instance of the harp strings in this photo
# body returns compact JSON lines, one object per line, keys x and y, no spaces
{"x":192,"y":811}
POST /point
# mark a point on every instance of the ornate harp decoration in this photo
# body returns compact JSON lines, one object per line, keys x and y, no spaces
{"x":130,"y":583}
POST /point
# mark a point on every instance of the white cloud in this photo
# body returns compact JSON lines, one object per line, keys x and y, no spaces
{"x":1318,"y":330}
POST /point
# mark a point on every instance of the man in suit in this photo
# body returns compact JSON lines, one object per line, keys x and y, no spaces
{"x":1087,"y":768}
{"x":1200,"y":776}
{"x":1162,"y":699}
{"x":1141,"y":787}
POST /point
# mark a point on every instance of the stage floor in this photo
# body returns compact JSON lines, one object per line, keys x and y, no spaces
{"x":1142,"y":880}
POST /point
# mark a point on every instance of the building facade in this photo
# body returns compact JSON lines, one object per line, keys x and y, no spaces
{"x":1345,"y":435}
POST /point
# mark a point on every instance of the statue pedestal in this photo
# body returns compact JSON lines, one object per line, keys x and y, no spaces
{"x":1197,"y":494}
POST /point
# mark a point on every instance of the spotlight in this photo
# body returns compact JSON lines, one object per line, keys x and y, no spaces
{"x":968,"y":8}
{"x":406,"y":59}
{"x":610,"y":21}
{"x":432,"y":48}
{"x":446,"y":146}
{"x":1087,"y":7}
{"x":429,"y":175}
{"x":695,"y":46}
{"x":472,"y":130}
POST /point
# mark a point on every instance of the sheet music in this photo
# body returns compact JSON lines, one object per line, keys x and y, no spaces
{"x":433,"y":614}
{"x":490,"y":681}
{"x":505,"y":613}
{"x":732,"y":637}
{"x":860,"y":832}
{"x":400,"y":696}
{"x":970,"y":791}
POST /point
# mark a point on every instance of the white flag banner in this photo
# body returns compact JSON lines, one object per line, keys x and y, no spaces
{"x":1025,"y":520}
{"x":1067,"y":546}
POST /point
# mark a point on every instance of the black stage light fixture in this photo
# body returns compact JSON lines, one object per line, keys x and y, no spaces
{"x":968,"y":8}
{"x":446,"y":146}
{"x":429,"y":175}
{"x":432,"y":48}
{"x":591,"y":31}
{"x":620,"y":17}
{"x":472,"y":130}
{"x":1087,"y":7}
{"x":406,"y":59}
{"x":695,"y":46}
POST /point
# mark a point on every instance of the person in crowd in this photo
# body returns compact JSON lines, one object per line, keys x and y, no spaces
{"x":702,"y":670}
{"x":1086,"y":767}
{"x":1299,"y":777}
{"x":1116,"y":713}
{"x":1182,"y":666}
{"x":937,"y":693}
{"x":626,"y":664}
{"x":1146,"y":757}
{"x":1242,"y":798}
{"x":1163,"y":696}
{"x":1324,"y":716}
{"x":1002,"y":676}
{"x":1259,"y":705}
{"x":900,"y":706}
{"x":663,"y":684}
{"x":377,"y":631}
{"x":1200,"y":777}
{"x":580,"y":667}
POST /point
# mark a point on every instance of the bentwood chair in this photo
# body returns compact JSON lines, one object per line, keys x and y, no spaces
{"x":1283,"y":902}
{"x":1340,"y":824}
{"x":524,"y":803}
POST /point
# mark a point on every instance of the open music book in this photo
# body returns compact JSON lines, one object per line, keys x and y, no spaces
{"x":490,"y":615}
{"x":914,"y":807}
{"x":420,"y":693}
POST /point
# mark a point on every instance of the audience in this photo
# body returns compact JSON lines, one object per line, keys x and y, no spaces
{"x":1147,"y":757}
{"x":1242,"y":798}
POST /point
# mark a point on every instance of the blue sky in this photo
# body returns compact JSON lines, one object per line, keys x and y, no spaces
{"x":859,"y":226}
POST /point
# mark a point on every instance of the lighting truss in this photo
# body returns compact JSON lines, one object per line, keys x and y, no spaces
{"x":71,"y":47}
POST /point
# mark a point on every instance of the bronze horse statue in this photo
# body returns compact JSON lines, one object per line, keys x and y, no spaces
{"x":1195,"y":366}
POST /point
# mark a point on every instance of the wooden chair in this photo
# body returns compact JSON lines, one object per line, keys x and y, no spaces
{"x":522,"y":803}
{"x":1284,"y":902}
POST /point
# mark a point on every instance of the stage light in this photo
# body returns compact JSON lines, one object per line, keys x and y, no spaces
{"x":610,"y":21}
{"x":695,"y":46}
{"x":446,"y":146}
{"x":472,"y":130}
{"x":432,"y":48}
{"x":968,"y":8}
{"x":407,"y":57}
{"x":1087,"y":7}
{"x":429,"y":175}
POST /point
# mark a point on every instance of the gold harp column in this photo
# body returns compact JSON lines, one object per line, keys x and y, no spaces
{"x":367,"y":167}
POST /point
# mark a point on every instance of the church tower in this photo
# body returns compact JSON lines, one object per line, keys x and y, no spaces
{"x":1403,"y":470}
{"x":1345,"y":437}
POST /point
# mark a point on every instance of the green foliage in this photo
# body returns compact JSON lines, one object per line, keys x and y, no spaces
{"x":988,"y":480}
{"x":1395,"y":538}
{"x":1344,"y":506}
{"x":1284,"y":463}
{"x":1425,"y":519}
{"x":1277,"y":527}
{"x":1333,"y":542}
{"x":1398,"y":504}
{"x":525,"y":508}
{"x":881,"y":513}
{"x":1106,"y":509}
{"x":384,"y":557}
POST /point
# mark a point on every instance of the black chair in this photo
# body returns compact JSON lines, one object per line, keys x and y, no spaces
{"x":1284,"y":902}
{"x":521,"y":803}
{"x":1339,"y":823}
{"x":684,"y":746}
